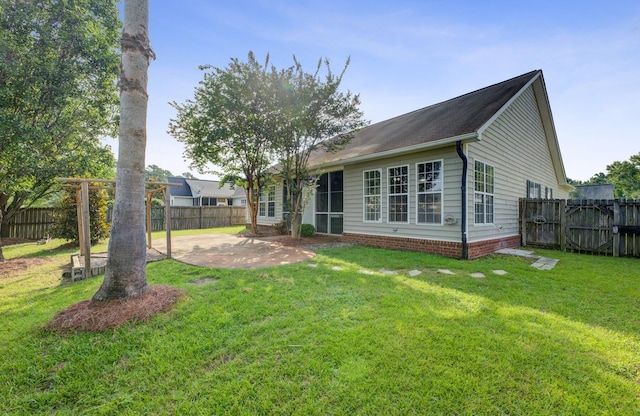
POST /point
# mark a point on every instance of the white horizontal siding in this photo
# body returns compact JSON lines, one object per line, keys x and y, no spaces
{"x":516,"y":146}
{"x":353,"y":197}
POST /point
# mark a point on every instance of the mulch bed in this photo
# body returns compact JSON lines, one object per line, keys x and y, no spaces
{"x":315,"y":240}
{"x":92,"y":316}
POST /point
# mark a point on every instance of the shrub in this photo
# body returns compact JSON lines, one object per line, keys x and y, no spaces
{"x":306,"y":230}
{"x":66,"y":217}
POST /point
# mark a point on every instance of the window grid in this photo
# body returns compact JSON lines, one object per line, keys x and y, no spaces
{"x":483,"y":195}
{"x":372,"y":194}
{"x":429,"y":192}
{"x":267,"y":204}
{"x":398,"y":191}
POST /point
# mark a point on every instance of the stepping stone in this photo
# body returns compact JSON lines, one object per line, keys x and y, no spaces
{"x":414,"y":273}
{"x":499,"y":272}
{"x":389,"y":272}
{"x":365,"y":271}
{"x":313,"y":264}
{"x":477,"y":275}
{"x":336,"y":268}
{"x":445,"y":271}
{"x":516,"y":252}
{"x":545,"y":263}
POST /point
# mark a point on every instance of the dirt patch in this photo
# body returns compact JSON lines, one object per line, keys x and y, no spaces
{"x":315,"y":240}
{"x":9,"y":267}
{"x":94,"y":316}
{"x":12,"y":241}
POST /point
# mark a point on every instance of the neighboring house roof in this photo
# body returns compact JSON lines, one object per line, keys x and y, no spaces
{"x":213,"y":189}
{"x":195,"y":188}
{"x":462,"y":118}
{"x":183,"y":190}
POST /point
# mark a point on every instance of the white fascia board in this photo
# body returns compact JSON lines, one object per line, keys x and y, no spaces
{"x":506,"y":105}
{"x":401,"y":151}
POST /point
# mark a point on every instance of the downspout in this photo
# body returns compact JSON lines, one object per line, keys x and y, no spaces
{"x":463,"y":189}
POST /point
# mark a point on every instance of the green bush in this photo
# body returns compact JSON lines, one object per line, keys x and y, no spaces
{"x":306,"y":230}
{"x":66,"y":217}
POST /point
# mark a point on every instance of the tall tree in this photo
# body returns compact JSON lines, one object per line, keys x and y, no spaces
{"x":625,"y":177}
{"x":156,"y":173}
{"x":58,"y":65}
{"x":232,"y":123}
{"x":126,"y":273}
{"x":318,"y":116}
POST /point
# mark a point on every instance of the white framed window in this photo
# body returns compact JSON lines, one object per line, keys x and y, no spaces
{"x":372,"y":192}
{"x":429,"y":192}
{"x":534,"y":190}
{"x":398,"y":193}
{"x":267,"y":204}
{"x":483,"y":192}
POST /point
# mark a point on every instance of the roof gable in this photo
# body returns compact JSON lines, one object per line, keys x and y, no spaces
{"x":460,"y":117}
{"x":211,"y":189}
{"x":196,"y":187}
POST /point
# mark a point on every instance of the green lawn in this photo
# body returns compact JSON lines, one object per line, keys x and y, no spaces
{"x":315,"y":340}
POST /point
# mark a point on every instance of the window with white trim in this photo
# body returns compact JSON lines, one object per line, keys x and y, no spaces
{"x":267,"y":204}
{"x":534,"y":190}
{"x":398,"y":194}
{"x":483,"y":193}
{"x":372,"y":191}
{"x":429,"y":192}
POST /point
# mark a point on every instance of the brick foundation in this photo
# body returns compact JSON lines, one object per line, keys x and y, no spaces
{"x":443,"y":248}
{"x":482,"y":248}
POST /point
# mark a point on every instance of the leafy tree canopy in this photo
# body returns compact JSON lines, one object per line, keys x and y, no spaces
{"x":248,"y":115}
{"x":232,"y":122}
{"x":58,"y":69}
{"x":624,"y":176}
{"x":156,"y":173}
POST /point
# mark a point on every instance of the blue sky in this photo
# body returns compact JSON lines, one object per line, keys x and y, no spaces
{"x":406,"y":55}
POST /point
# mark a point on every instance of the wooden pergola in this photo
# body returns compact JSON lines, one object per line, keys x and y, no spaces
{"x":82,"y":186}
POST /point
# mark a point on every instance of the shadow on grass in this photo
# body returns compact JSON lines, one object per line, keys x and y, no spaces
{"x":598,"y":291}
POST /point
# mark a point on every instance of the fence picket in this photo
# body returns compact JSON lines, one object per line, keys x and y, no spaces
{"x":609,"y":227}
{"x":35,"y":223}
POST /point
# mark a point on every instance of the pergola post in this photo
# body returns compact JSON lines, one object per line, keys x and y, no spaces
{"x":86,"y":228}
{"x":149,"y":195}
{"x":82,"y":186}
{"x":167,"y":218}
{"x":79,"y":213}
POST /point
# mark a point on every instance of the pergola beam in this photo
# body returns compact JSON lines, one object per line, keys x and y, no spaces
{"x":82,"y":186}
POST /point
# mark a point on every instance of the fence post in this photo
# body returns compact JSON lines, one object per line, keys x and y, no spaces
{"x":563,"y":218}
{"x":523,"y":221}
{"x":614,"y":230}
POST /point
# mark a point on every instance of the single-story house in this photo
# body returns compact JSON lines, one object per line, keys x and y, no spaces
{"x":443,"y":179}
{"x":197,"y":193}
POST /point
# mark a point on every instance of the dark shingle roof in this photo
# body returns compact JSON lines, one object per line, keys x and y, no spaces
{"x":458,"y":116}
{"x":183,"y":190}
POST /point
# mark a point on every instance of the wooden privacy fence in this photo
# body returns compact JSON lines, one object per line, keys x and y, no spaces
{"x":608,"y":227}
{"x":195,"y":218}
{"x":35,"y":223}
{"x":192,"y":218}
{"x":30,"y":224}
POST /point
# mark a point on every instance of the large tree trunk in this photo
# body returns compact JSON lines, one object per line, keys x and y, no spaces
{"x":126,"y":264}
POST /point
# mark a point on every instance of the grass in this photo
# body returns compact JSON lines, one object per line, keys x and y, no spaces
{"x":331,"y":340}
